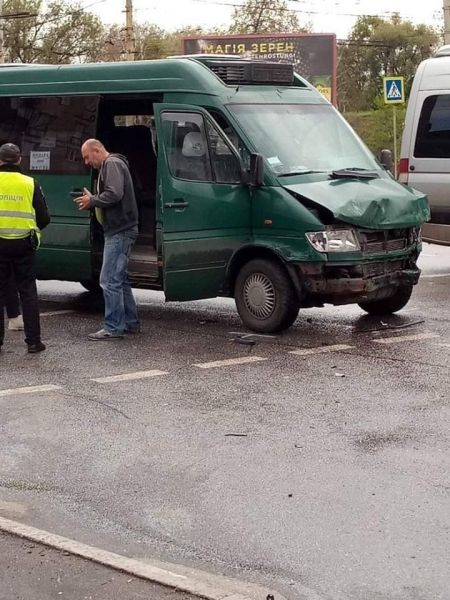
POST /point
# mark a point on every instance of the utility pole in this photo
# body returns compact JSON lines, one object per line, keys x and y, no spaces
{"x":130,"y":40}
{"x":446,"y":9}
{"x":2,"y":51}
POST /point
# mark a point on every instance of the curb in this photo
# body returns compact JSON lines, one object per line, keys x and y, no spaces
{"x":194,"y":582}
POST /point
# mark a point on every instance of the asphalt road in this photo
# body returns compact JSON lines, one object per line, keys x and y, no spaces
{"x":31,"y":571}
{"x":322,"y":474}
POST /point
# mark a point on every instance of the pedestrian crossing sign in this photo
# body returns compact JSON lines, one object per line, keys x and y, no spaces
{"x":394,"y":90}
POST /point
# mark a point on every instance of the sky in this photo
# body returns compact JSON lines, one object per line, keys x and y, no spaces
{"x":325,"y":16}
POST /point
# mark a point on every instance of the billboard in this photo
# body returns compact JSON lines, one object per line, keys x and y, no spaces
{"x":313,"y":54}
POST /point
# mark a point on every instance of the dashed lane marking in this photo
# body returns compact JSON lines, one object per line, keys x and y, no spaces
{"x":434,"y":275}
{"x":55,"y":313}
{"x":321,"y":349}
{"x":35,"y":389}
{"x":398,"y":339}
{"x":129,"y":376}
{"x":229,"y":362}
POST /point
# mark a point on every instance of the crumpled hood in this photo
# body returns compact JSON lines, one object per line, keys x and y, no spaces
{"x":371,"y":203}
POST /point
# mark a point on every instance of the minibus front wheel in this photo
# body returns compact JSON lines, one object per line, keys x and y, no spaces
{"x":389,"y":305}
{"x":265,"y":297}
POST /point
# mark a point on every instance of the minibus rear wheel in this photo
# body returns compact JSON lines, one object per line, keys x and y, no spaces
{"x":392,"y":304}
{"x":265,"y":298}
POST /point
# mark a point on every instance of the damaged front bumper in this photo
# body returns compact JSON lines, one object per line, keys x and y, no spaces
{"x":325,"y":283}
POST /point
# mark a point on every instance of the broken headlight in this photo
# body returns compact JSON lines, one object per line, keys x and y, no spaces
{"x":334,"y":240}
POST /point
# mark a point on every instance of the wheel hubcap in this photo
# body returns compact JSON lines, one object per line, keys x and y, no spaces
{"x":259,"y":296}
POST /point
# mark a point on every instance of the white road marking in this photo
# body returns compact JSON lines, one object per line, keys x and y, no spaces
{"x":13,"y":508}
{"x":432,"y":276}
{"x":229,"y":362}
{"x":54,"y":313}
{"x":398,"y":339}
{"x":32,"y":389}
{"x":321,"y":349}
{"x":129,"y":376}
{"x":193,"y":581}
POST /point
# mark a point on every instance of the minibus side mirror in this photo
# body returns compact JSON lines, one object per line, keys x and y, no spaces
{"x":386,"y":159}
{"x":255,"y":174}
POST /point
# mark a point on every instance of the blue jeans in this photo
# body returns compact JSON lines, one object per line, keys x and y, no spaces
{"x":120,"y":307}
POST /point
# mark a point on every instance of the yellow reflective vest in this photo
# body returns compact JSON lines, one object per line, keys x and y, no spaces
{"x":17,"y":215}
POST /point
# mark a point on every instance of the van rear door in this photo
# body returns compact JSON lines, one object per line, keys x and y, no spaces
{"x":429,"y":159}
{"x":204,"y":208}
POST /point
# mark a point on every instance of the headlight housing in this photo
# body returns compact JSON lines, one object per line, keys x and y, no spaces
{"x":334,"y":240}
{"x":415,"y":235}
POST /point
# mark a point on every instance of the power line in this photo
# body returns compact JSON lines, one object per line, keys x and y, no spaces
{"x":23,"y":15}
{"x":294,"y":10}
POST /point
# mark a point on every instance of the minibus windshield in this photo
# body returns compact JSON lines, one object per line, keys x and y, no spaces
{"x":297,"y":139}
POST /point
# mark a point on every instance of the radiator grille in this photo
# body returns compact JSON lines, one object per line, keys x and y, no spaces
{"x":387,"y":240}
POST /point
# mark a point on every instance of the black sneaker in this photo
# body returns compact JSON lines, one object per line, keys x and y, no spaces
{"x":37,"y":347}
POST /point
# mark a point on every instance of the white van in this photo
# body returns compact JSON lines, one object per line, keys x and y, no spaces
{"x":425,"y":151}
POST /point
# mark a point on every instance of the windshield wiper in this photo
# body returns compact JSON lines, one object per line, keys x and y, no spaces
{"x":299,"y":172}
{"x":354,"y":172}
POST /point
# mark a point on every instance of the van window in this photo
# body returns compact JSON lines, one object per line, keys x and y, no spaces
{"x":433,"y":131}
{"x":224,"y":162}
{"x":49,"y":131}
{"x":196,"y":150}
{"x":300,"y":137}
{"x":186,"y":146}
{"x":232,"y":136}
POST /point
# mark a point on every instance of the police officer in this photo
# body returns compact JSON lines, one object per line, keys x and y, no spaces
{"x":23,"y":213}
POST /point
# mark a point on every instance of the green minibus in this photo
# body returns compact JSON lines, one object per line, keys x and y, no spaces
{"x":248,"y":181}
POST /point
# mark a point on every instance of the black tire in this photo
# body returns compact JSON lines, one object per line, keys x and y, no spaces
{"x":389,"y":305}
{"x":265,"y":298}
{"x":91,"y":286}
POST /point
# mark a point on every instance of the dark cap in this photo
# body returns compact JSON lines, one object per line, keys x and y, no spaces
{"x":10,"y":153}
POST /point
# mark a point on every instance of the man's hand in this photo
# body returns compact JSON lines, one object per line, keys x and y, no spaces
{"x":84,"y":202}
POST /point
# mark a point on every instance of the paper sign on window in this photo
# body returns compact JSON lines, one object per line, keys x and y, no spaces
{"x":39,"y":161}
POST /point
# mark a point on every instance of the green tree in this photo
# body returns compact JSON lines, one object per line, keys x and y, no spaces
{"x":151,"y":41}
{"x":379,"y":47}
{"x":265,"y":16}
{"x":54,"y":32}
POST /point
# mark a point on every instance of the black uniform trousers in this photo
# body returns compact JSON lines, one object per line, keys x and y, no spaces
{"x":17,"y":260}
{"x":12,"y":300}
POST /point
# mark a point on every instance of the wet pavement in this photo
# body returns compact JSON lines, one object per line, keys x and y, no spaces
{"x":31,"y":571}
{"x":315,"y":461}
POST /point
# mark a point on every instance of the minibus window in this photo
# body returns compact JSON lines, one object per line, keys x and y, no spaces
{"x":186,"y":146}
{"x":433,"y":131}
{"x":225,"y":164}
{"x":232,"y":136}
{"x":303,"y":137}
{"x":49,"y":131}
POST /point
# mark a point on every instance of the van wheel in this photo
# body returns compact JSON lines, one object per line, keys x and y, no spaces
{"x":265,"y":298}
{"x":392,"y":304}
{"x":92,"y":286}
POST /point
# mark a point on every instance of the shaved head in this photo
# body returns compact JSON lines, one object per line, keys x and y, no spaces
{"x":93,"y":153}
{"x":93,"y":143}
